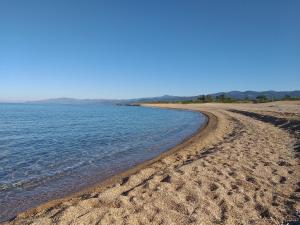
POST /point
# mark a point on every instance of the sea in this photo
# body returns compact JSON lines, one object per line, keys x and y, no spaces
{"x":48,"y":151}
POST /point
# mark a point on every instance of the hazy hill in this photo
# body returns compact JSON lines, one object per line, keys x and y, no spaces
{"x":73,"y":101}
{"x":169,"y":98}
{"x":253,"y":94}
{"x":239,"y":95}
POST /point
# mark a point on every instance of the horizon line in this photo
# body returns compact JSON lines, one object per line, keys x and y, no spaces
{"x":124,"y":99}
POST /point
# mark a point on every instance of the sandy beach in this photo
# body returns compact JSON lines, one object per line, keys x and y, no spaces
{"x":241,"y":168}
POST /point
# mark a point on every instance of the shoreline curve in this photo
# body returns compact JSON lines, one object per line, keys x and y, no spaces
{"x":202,"y":132}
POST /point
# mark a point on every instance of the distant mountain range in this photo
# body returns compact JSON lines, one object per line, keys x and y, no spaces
{"x":74,"y":101}
{"x":239,"y":95}
{"x":253,"y":94}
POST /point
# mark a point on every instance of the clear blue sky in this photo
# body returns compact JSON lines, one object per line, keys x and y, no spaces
{"x":125,"y":49}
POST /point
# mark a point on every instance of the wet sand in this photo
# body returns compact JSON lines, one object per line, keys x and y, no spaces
{"x":242,"y":168}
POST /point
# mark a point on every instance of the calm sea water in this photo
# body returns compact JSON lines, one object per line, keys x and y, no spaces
{"x":48,"y":151}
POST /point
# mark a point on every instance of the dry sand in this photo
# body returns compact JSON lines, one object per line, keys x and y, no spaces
{"x":243,"y":168}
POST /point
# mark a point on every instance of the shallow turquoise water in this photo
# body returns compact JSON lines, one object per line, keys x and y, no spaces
{"x":47,"y":151}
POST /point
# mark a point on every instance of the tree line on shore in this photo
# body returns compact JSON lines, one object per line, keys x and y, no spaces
{"x":226,"y":99}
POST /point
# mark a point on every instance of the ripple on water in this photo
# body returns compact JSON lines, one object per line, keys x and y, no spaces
{"x":47,"y":151}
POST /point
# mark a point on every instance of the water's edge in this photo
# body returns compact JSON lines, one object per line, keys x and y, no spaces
{"x":102,"y":184}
